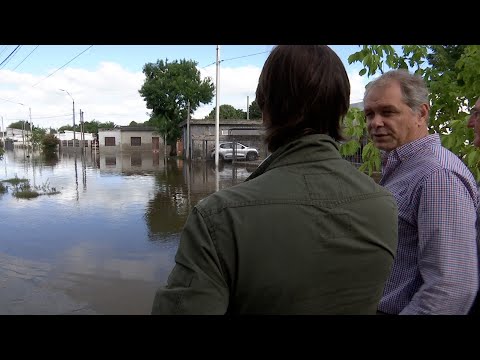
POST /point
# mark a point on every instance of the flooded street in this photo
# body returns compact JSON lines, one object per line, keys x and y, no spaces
{"x":106,"y":242}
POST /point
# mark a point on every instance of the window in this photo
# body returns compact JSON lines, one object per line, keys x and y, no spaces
{"x":136,"y":160}
{"x":109,"y":141}
{"x":110,"y":160}
{"x":135,"y":141}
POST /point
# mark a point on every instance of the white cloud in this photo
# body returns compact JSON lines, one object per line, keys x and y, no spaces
{"x":110,"y":93}
{"x":235,"y":85}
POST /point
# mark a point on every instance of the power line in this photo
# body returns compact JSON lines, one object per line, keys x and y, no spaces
{"x":238,"y":57}
{"x":9,"y":55}
{"x":51,"y":116}
{"x":13,"y":102}
{"x":62,"y":66}
{"x":5,"y":48}
{"x":26,"y":57}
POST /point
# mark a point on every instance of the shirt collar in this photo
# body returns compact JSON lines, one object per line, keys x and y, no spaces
{"x":406,"y":151}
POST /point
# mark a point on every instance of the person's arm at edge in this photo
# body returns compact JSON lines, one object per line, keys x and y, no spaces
{"x":447,"y":251}
{"x":196,"y":284}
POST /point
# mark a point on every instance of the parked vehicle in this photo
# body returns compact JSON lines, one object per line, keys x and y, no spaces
{"x":230,"y":149}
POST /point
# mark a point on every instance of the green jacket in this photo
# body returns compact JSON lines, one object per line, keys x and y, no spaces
{"x":306,"y":233}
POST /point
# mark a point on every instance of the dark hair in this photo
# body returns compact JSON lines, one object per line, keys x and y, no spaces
{"x":302,"y":89}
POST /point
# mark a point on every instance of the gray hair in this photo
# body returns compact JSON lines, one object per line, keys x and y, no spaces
{"x":413,"y":87}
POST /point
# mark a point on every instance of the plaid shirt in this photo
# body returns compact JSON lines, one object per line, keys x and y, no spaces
{"x":436,"y":266}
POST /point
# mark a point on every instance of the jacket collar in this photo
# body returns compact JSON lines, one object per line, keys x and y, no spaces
{"x":309,"y":148}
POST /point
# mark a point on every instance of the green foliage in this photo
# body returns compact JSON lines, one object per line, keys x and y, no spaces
{"x":49,"y":143}
{"x":371,"y":159}
{"x":354,"y":131}
{"x":254,"y":112}
{"x":16,"y":180}
{"x":23,"y":190}
{"x":3,"y":189}
{"x":89,"y":126}
{"x":168,"y":88}
{"x":65,"y":127}
{"x":19,"y":125}
{"x":37,"y":136}
{"x":107,"y":125}
{"x":133,"y":123}
{"x":227,"y":112}
{"x":451,"y":73}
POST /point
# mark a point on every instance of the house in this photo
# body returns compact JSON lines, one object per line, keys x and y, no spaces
{"x":202,"y":135}
{"x":130,"y":138}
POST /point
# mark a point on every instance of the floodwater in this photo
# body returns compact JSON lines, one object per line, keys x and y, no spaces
{"x":107,"y":241}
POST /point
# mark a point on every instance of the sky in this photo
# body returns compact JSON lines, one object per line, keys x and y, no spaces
{"x":103,"y":80}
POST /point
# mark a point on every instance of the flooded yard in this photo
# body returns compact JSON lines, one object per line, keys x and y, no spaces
{"x":107,"y":240}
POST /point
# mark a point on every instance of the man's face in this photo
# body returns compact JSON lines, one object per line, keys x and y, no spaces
{"x":392,"y":123}
{"x":474,"y":122}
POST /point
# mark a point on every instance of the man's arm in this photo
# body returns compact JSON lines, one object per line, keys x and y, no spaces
{"x":447,"y":249}
{"x":196,"y":284}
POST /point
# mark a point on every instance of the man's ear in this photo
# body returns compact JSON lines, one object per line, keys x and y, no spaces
{"x":424,"y":111}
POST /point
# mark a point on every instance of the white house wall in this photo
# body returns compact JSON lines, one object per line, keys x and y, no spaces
{"x":109,"y":133}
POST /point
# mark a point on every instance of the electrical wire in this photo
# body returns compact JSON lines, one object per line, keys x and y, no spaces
{"x":238,"y":57}
{"x":5,"y":61}
{"x":62,"y":66}
{"x":26,"y":57}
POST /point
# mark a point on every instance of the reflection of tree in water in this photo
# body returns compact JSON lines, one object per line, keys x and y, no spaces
{"x":50,"y":158}
{"x":168,"y":210}
{"x":181,"y":186}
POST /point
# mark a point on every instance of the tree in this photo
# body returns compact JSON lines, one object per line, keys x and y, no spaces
{"x":65,"y":127}
{"x":90,"y":126}
{"x":107,"y":125}
{"x":167,"y":90}
{"x":227,"y":112}
{"x":133,"y":123}
{"x":20,"y":125}
{"x":451,"y":73}
{"x":49,"y":143}
{"x":37,"y":136}
{"x":254,"y":112}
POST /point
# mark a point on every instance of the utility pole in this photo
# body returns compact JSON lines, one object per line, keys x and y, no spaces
{"x":82,"y":135}
{"x":248,"y":110}
{"x":188,"y":132}
{"x":165,"y":146}
{"x":23,"y":134}
{"x":217,"y":110}
{"x":31,"y":126}
{"x":73,"y":104}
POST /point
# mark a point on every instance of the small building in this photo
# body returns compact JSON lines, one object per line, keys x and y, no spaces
{"x":130,"y":138}
{"x":67,"y":139}
{"x":202,"y":135}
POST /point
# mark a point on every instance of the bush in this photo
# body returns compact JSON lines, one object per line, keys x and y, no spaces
{"x":49,"y":143}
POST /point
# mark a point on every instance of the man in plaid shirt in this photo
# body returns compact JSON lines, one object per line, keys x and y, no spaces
{"x":436,"y":265}
{"x":474,"y":122}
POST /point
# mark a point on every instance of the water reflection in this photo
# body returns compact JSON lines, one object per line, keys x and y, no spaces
{"x":110,"y":234}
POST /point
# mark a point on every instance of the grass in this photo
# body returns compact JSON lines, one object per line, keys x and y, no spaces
{"x":26,"y":194}
{"x":23,"y":190}
{"x":15,"y":181}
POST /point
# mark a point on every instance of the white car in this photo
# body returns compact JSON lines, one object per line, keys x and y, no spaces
{"x":241,"y":151}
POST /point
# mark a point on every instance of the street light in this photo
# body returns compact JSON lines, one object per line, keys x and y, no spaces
{"x":73,"y":102}
{"x":24,"y":127}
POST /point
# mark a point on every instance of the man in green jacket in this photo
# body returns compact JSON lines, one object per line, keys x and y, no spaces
{"x":306,"y":233}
